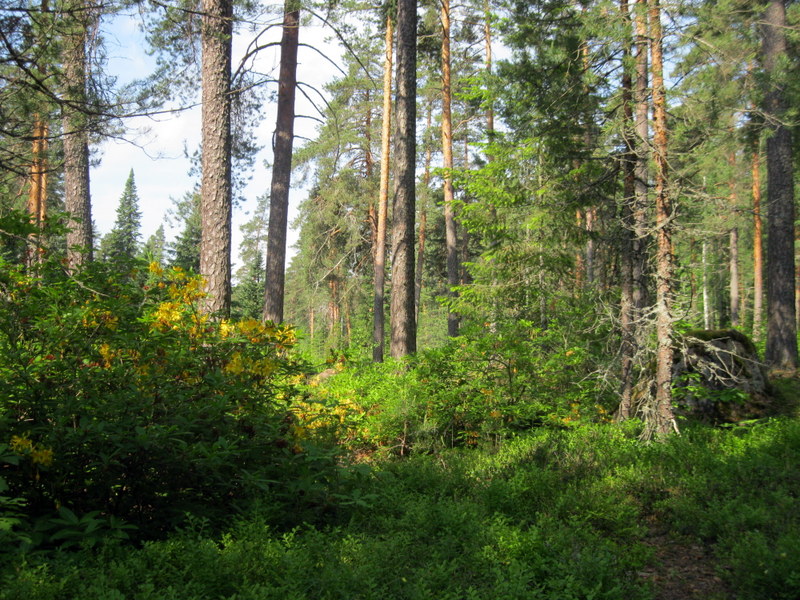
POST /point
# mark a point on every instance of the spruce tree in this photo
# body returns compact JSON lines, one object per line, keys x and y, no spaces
{"x":154,"y":249}
{"x":184,"y":252}
{"x":123,"y":240}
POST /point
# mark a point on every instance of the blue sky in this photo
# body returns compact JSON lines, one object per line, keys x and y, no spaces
{"x":156,"y":150}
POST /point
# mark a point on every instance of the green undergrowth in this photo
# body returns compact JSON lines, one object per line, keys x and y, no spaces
{"x":550,"y":514}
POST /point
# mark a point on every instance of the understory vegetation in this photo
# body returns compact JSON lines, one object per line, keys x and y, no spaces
{"x":149,"y":452}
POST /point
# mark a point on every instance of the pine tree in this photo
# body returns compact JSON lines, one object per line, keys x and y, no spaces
{"x":122,"y":242}
{"x":282,"y":166}
{"x":403,"y":321}
{"x":77,"y":20}
{"x":216,"y":190}
{"x":781,"y":350}
{"x":184,"y":252}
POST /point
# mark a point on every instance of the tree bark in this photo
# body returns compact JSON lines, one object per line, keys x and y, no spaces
{"x":403,"y":323}
{"x":37,"y":195}
{"x":733,"y":246}
{"x":215,"y":188}
{"x":781,"y":349}
{"x":664,"y":419}
{"x":282,"y":166}
{"x":627,"y":321}
{"x":640,"y":99}
{"x":422,"y":231}
{"x":451,"y":241}
{"x":379,"y":316}
{"x":77,"y":199}
{"x":733,"y":268}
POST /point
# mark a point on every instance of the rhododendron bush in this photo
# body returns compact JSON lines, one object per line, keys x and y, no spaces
{"x":121,"y":398}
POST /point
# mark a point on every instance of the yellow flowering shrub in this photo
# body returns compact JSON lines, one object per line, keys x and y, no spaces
{"x":122,"y":395}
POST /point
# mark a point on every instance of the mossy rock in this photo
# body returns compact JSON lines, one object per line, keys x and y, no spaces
{"x":718,"y":377}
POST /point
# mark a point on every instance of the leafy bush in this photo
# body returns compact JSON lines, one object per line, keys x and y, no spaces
{"x":471,"y":392}
{"x":124,"y":400}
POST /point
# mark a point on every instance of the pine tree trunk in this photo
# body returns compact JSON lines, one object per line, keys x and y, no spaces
{"x":77,"y":200}
{"x":487,"y":42}
{"x":282,"y":166}
{"x":379,"y":316}
{"x":733,"y":268}
{"x":422,"y":230}
{"x":781,"y":349}
{"x":451,"y":241}
{"x":640,"y":225}
{"x":37,"y":196}
{"x":733,"y":247}
{"x":403,"y":323}
{"x":626,"y":318}
{"x":758,"y":248}
{"x":664,"y":419}
{"x":215,"y":187}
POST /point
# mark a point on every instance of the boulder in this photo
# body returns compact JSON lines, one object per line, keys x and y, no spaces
{"x":718,"y":377}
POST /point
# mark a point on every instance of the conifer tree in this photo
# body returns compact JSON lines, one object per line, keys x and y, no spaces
{"x":77,"y":18}
{"x":216,"y":191}
{"x":122,"y":242}
{"x":154,"y":249}
{"x":403,"y":322}
{"x":781,"y":350}
{"x":184,"y":252}
{"x":282,"y":166}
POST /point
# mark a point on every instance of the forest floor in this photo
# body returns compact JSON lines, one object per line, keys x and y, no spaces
{"x":683,"y":569}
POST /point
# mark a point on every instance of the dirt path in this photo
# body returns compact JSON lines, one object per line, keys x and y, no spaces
{"x":683,"y":570}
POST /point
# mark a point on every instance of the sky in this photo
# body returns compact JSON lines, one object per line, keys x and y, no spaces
{"x":156,"y":147}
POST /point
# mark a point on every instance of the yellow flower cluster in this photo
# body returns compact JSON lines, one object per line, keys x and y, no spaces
{"x":315,"y":416}
{"x":25,"y":447}
{"x":156,"y":269}
{"x":96,"y":317}
{"x":261,"y":367}
{"x":107,"y":354}
{"x":168,"y":315}
{"x":254,"y":330}
{"x":190,"y":290}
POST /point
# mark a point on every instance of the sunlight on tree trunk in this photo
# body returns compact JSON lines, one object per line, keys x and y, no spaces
{"x":379,"y":316}
{"x":404,"y":334}
{"x":215,"y":187}
{"x":664,"y":421}
{"x":451,"y":243}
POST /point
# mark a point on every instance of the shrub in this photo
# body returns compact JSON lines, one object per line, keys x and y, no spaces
{"x":121,"y":399}
{"x":471,"y":392}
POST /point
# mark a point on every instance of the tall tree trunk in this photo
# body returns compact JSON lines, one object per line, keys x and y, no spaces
{"x":404,"y":334}
{"x":733,"y":268}
{"x":707,"y":313}
{"x":664,"y":419}
{"x":733,"y":247}
{"x":758,"y":248}
{"x":487,"y":42}
{"x":215,"y":187}
{"x":423,"y":216}
{"x":781,"y":349}
{"x":378,"y":314}
{"x":77,"y":200}
{"x":640,"y":99}
{"x":37,"y":196}
{"x":451,"y":241}
{"x":282,"y":166}
{"x":626,"y":318}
